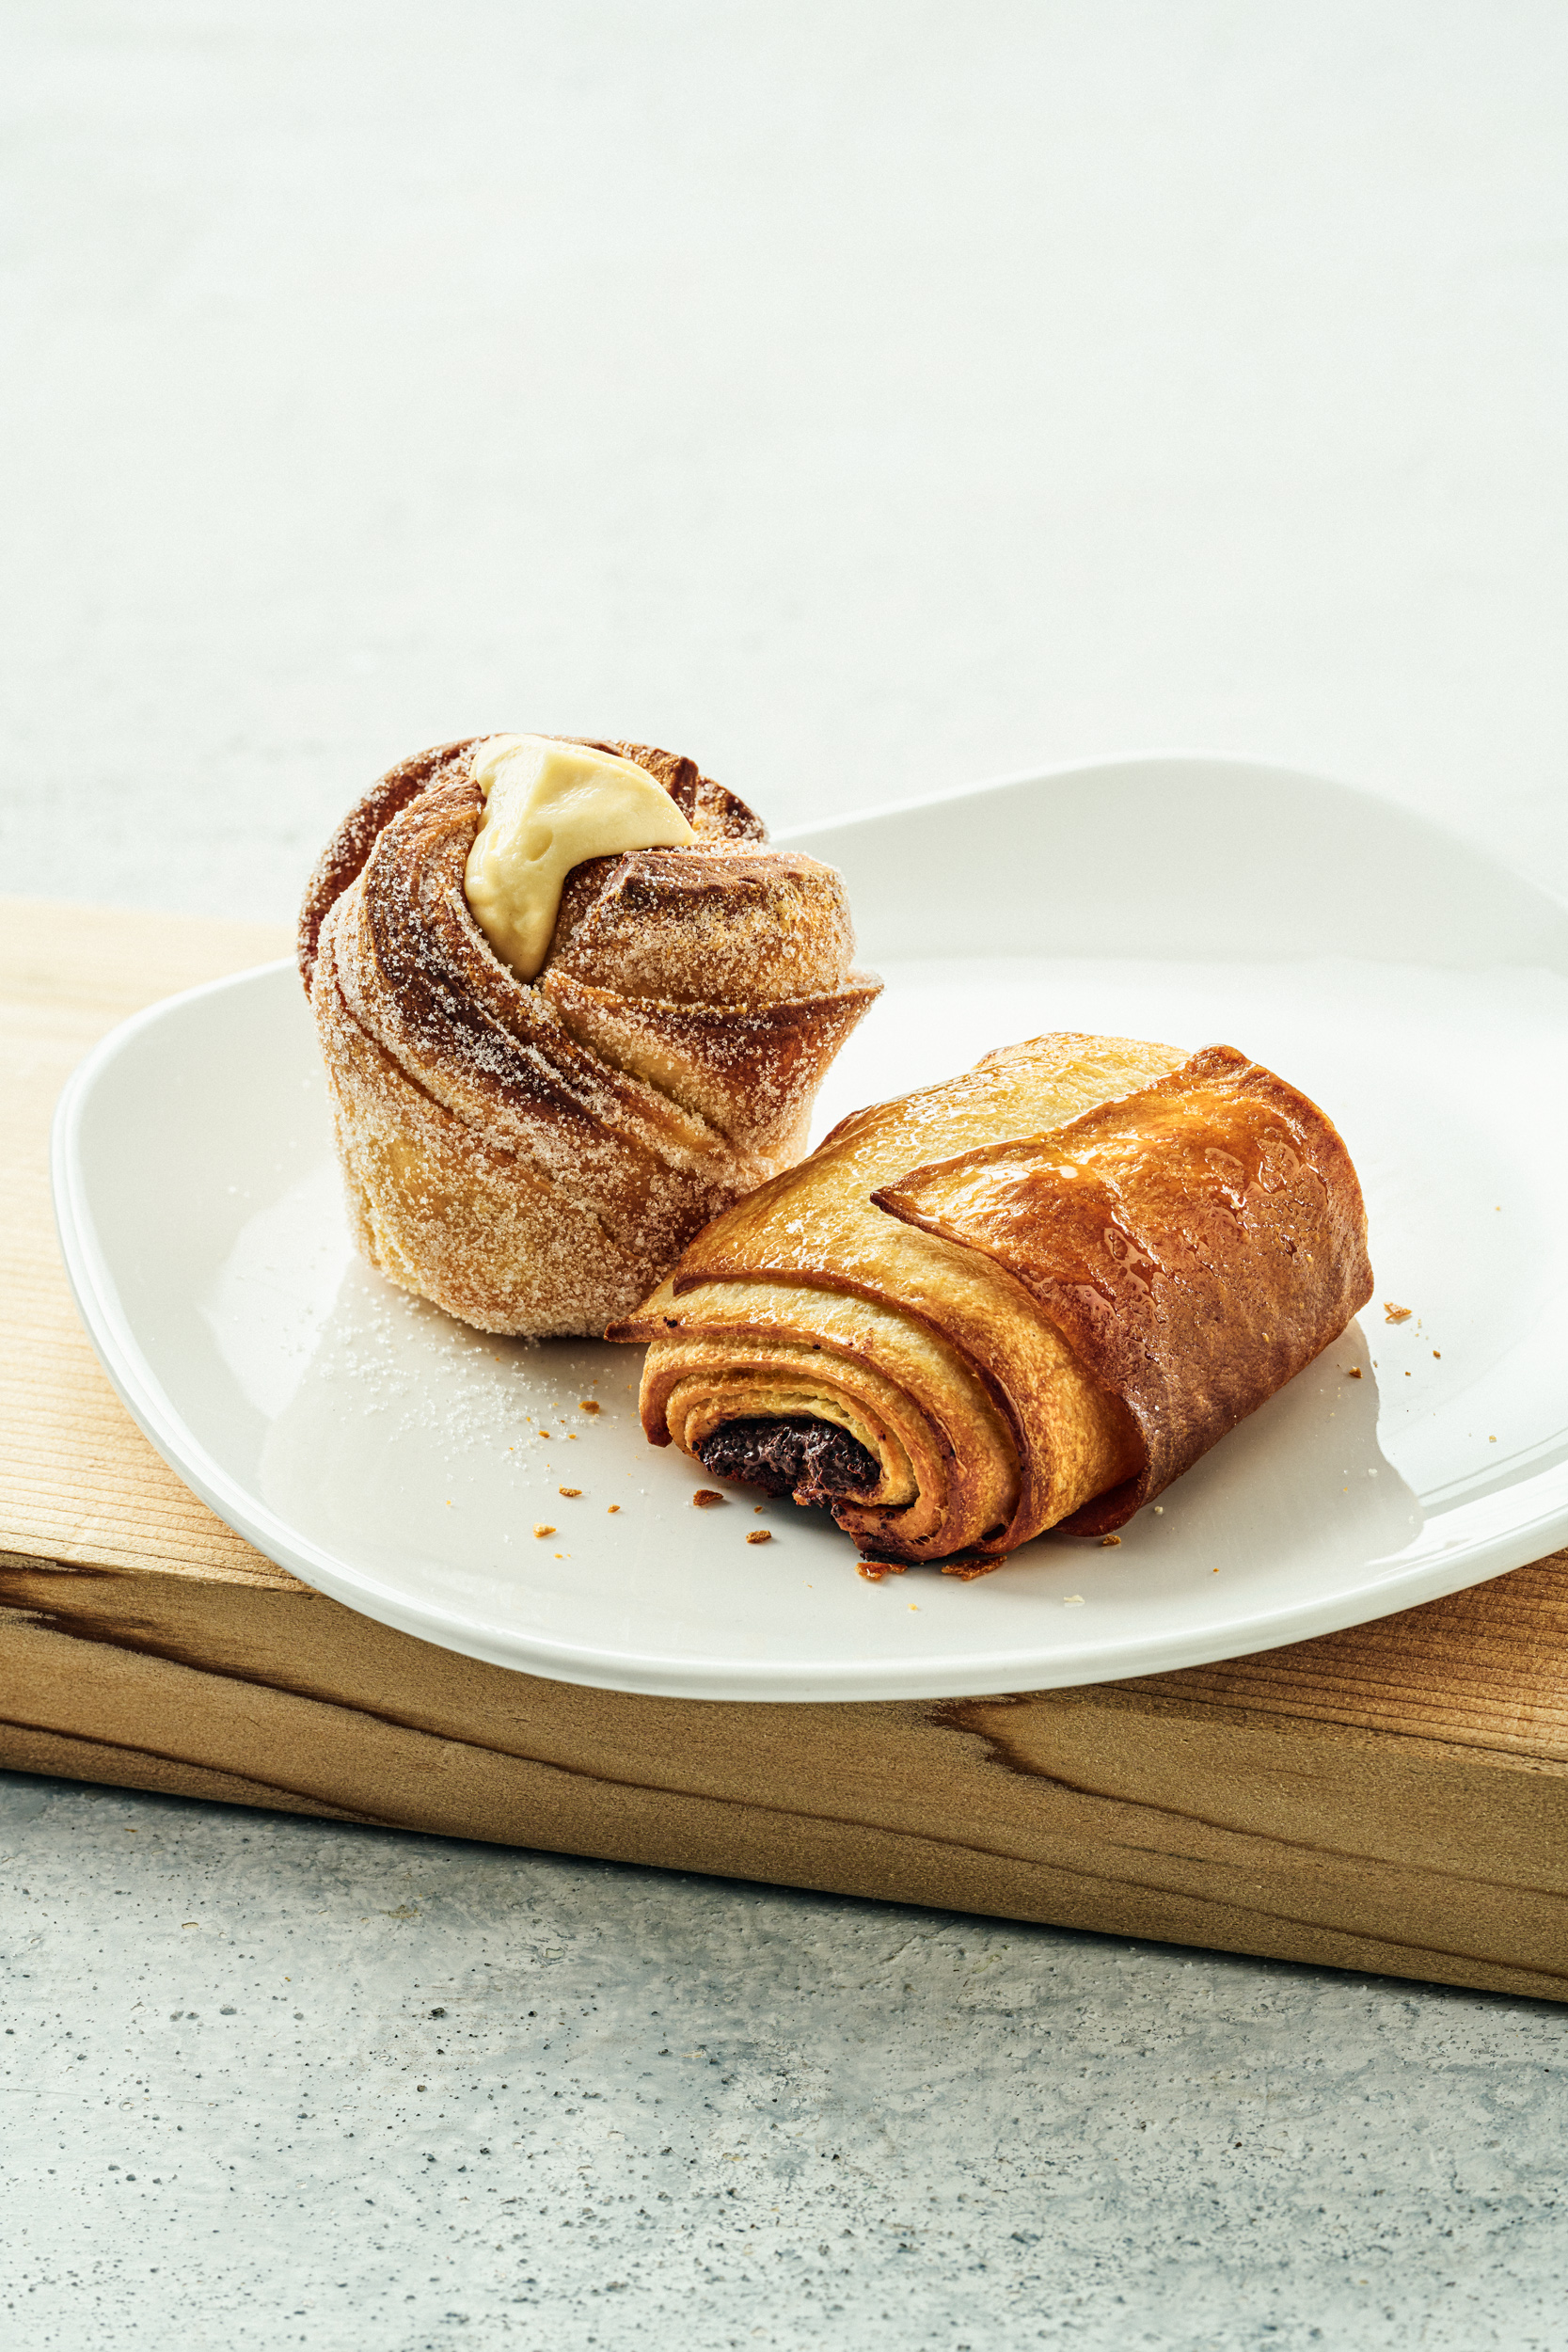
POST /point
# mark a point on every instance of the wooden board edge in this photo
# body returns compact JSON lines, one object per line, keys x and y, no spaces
{"x":64,"y":1756}
{"x":1112,"y":1851}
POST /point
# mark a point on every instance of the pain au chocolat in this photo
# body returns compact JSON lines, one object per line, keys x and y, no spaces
{"x":572,"y":1006}
{"x":1029,"y":1298}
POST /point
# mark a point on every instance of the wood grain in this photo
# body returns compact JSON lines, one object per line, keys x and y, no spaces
{"x":76,"y":1480}
{"x":1391,"y":1798}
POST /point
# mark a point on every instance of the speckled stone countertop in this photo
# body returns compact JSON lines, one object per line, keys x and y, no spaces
{"x":272,"y":2082}
{"x":866,"y":401}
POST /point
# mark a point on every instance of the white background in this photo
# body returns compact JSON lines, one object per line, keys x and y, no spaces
{"x":863,"y":398}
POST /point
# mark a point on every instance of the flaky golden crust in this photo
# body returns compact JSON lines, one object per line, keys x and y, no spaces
{"x":1017,"y":1347}
{"x":532,"y":1156}
{"x":1196,"y":1245}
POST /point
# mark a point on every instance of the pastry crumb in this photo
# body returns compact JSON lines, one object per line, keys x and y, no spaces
{"x":589,"y":1405}
{"x":1354,"y":1373}
{"x":1437,"y":1355}
{"x":1072,"y":1600}
{"x":571,"y":1493}
{"x":705,"y":1497}
{"x":1396,"y":1314}
{"x":543,"y":1530}
{"x":759,"y":1535}
{"x":1106,"y":1541}
{"x":614,"y":1507}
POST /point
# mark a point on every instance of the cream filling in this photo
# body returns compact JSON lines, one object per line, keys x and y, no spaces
{"x":548,"y":806}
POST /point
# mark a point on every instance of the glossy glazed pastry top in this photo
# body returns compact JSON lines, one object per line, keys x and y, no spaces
{"x":807,"y":1298}
{"x":1031,"y":1297}
{"x":1195,"y":1244}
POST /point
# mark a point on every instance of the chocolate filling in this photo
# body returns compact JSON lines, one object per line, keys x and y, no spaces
{"x":814,"y":1460}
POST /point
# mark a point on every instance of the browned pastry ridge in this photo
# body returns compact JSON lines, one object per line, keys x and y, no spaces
{"x":533,"y":1155}
{"x":1029,"y":1298}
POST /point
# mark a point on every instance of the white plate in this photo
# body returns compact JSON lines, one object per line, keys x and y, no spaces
{"x":390,"y":1458}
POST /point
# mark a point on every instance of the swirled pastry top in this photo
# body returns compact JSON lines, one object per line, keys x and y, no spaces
{"x":443,"y":781}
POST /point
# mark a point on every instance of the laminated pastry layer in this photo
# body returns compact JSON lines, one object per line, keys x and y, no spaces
{"x":1197,"y":1245}
{"x":947,"y":1469}
{"x":1017,"y":1435}
{"x":1032,"y":1296}
{"x":532,"y":1156}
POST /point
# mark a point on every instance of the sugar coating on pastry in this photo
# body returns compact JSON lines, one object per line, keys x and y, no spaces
{"x":532,"y":1154}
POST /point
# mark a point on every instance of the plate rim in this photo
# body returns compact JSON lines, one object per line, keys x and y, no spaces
{"x":113,"y":1336}
{"x":1180,"y":755}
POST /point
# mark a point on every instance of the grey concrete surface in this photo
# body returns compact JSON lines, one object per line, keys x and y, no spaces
{"x":271,"y":2082}
{"x":865,"y":398}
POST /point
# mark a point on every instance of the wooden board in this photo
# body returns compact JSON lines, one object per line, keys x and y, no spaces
{"x":1391,"y":1798}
